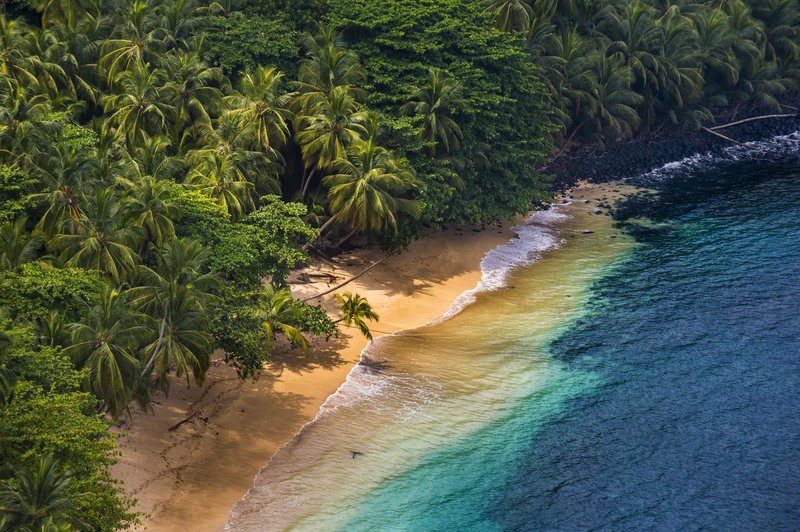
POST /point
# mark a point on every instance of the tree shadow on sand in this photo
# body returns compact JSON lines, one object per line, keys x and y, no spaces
{"x":322,"y":354}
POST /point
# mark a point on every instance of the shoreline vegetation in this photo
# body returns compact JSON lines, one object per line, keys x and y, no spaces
{"x":631,"y":158}
{"x":167,"y":167}
{"x":206,"y":466}
{"x":574,"y":240}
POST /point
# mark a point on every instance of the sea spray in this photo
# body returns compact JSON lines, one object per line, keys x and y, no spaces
{"x":766,"y":150}
{"x":415,"y":391}
{"x":537,"y":235}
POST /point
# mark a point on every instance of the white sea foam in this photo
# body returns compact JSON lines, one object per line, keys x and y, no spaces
{"x":534,"y":237}
{"x":367,"y":381}
{"x":766,"y":149}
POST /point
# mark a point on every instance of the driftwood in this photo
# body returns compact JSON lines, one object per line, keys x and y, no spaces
{"x":720,"y":135}
{"x":764,"y":117}
{"x":177,"y":425}
{"x":350,"y":280}
{"x":306,"y":278}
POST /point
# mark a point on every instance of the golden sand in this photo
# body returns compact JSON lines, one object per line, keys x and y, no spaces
{"x":189,"y":478}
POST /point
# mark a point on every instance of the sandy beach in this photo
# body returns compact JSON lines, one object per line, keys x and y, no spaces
{"x":196,"y":454}
{"x":188,"y":478}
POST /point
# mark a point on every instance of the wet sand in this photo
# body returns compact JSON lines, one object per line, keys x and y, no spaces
{"x":438,"y":388}
{"x":188,"y":478}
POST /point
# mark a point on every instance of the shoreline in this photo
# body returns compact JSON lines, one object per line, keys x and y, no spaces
{"x":627,"y":159}
{"x":311,"y":483}
{"x":192,"y":474}
{"x":191,"y":459}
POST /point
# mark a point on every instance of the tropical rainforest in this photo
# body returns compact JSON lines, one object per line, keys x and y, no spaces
{"x":164,"y":165}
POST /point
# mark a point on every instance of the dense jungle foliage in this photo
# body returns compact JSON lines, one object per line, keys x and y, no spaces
{"x":164,"y":165}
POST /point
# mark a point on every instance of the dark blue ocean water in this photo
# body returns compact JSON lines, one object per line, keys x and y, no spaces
{"x":672,"y":400}
{"x":695,"y":341}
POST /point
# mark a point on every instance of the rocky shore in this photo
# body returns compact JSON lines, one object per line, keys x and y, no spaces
{"x":628,"y":159}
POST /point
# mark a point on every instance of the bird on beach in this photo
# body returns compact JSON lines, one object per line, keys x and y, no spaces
{"x":356,"y":453}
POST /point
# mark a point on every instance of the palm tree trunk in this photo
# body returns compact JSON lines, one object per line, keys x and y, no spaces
{"x":160,"y":342}
{"x":350,"y":280}
{"x":720,"y":135}
{"x":566,"y":144}
{"x":321,"y":229}
{"x":307,"y":182}
{"x":145,"y":242}
{"x":346,"y":238}
{"x":765,"y":117}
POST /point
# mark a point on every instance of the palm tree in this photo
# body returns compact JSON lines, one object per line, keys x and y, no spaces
{"x":436,"y":101}
{"x":260,"y":168}
{"x":141,"y":107}
{"x":7,"y":378}
{"x":52,"y":330}
{"x":750,"y":33}
{"x":148,"y":206}
{"x":261,"y":110}
{"x":75,"y":51}
{"x":356,"y":309}
{"x":26,"y":124}
{"x":65,"y":173}
{"x":18,"y":62}
{"x":134,"y":43}
{"x":612,"y":111}
{"x":328,"y":64}
{"x":367,"y":190}
{"x":7,"y":383}
{"x":151,"y":158}
{"x":760,"y":83}
{"x":99,"y":239}
{"x":176,"y":295}
{"x":196,"y":88}
{"x":184,"y":344}
{"x":638,"y":41}
{"x":325,"y":135}
{"x":635,"y":38}
{"x":510,"y":15}
{"x":177,"y":22}
{"x":222,"y":176}
{"x":781,"y":19}
{"x":39,"y":497}
{"x":17,"y":246}
{"x":279,"y":311}
{"x":682,"y":77}
{"x":568,"y":70}
{"x":104,"y":342}
{"x":715,"y":40}
{"x":66,"y":12}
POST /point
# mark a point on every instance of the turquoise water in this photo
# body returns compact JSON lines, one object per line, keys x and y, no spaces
{"x":674,"y":400}
{"x":644,"y":378}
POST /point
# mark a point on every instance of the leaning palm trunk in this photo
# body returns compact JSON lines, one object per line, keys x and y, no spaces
{"x":723,"y":137}
{"x":307,"y":183}
{"x":145,"y":242}
{"x":745,"y":120}
{"x":350,"y":280}
{"x":347,"y":237}
{"x":160,"y":342}
{"x":321,"y":230}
